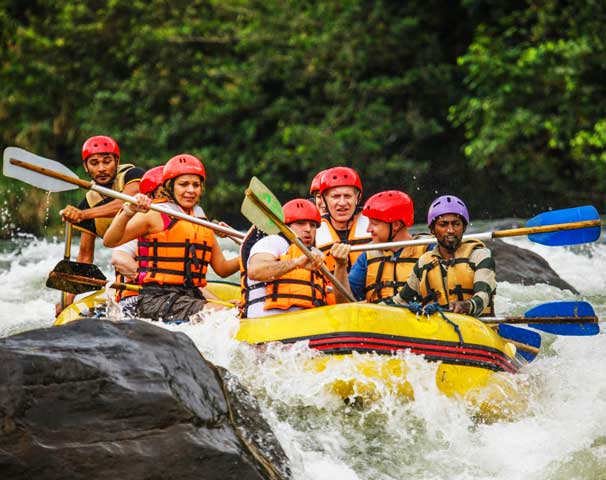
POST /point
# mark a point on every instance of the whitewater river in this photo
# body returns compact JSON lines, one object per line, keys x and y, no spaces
{"x":561,"y":436}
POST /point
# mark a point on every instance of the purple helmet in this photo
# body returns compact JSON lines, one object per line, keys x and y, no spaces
{"x":447,"y":204}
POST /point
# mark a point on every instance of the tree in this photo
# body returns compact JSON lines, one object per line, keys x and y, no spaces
{"x":534,"y":109}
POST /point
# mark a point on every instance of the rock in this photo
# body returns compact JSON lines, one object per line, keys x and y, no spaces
{"x":101,"y":400}
{"x":518,"y":265}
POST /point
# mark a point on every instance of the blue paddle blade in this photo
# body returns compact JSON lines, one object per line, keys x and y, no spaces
{"x":564,"y":309}
{"x":521,"y":335}
{"x":566,"y":237}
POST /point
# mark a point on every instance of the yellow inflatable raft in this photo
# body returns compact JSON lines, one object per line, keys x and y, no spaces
{"x":473,"y":361}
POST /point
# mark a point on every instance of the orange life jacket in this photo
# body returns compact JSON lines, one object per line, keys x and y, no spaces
{"x":326,"y":236}
{"x":298,"y":288}
{"x":123,"y":293}
{"x":178,"y":255}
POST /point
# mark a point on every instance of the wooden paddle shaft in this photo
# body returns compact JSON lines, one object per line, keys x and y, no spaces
{"x":547,"y":320}
{"x":524,"y":347}
{"x":94,"y":281}
{"x":67,"y":253}
{"x":127,"y":198}
{"x":297,"y":241}
{"x":483,"y":236}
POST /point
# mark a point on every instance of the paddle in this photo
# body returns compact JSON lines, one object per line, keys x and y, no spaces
{"x":263,"y":209}
{"x":527,"y":342}
{"x":572,"y":310}
{"x":81,"y":284}
{"x":570,"y":226}
{"x":67,"y":252}
{"x":560,"y":318}
{"x":55,"y":177}
{"x":66,"y":268}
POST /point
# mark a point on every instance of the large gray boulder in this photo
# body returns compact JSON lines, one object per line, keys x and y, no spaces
{"x":102,"y":400}
{"x":519,"y":265}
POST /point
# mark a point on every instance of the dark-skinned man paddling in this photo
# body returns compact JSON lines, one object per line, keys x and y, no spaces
{"x":101,"y":158}
{"x":457,"y":275}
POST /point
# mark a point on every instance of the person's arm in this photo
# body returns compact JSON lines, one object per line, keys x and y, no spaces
{"x":132,"y":221}
{"x":263,"y":267}
{"x":222,"y":266}
{"x":340,"y":252}
{"x":410,"y":292}
{"x":484,"y":284}
{"x":109,"y":209}
{"x":124,"y":263}
{"x":357,"y":277}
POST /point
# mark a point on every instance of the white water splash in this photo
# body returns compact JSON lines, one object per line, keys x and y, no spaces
{"x":562,"y":436}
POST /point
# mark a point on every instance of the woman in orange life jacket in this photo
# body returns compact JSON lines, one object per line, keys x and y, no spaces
{"x":341,"y":191}
{"x":379,"y":274}
{"x":178,"y":252}
{"x":124,"y":257}
{"x":458,"y":275}
{"x":279,"y":277}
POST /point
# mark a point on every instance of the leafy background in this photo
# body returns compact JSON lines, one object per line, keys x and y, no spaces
{"x":500,"y":103}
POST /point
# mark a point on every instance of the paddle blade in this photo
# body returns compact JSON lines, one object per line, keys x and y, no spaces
{"x":521,"y":335}
{"x":564,"y":309}
{"x":566,"y":237}
{"x":253,"y":212}
{"x":65,"y":274}
{"x":36,"y":179}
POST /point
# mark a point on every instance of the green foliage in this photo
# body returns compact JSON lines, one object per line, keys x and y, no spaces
{"x":534,"y":109}
{"x":501,"y":105}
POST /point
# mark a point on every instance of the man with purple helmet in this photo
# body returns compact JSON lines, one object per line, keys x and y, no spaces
{"x":457,"y":275}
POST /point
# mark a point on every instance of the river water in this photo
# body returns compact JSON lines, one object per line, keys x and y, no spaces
{"x":562,"y":434}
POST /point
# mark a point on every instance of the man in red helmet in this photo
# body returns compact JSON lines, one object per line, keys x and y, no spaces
{"x":341,"y":191}
{"x":278,"y":277}
{"x":379,"y":274}
{"x":101,"y":157}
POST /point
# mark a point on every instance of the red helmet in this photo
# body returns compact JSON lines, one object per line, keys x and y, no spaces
{"x":315,"y":183}
{"x":300,"y":209}
{"x":99,"y":144}
{"x":181,"y":165}
{"x":390,"y":206}
{"x":340,"y":177}
{"x":151,"y":180}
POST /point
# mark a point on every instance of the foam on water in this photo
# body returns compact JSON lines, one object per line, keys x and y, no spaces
{"x":562,"y":435}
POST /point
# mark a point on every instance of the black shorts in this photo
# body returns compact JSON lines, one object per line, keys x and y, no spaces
{"x":169,"y":302}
